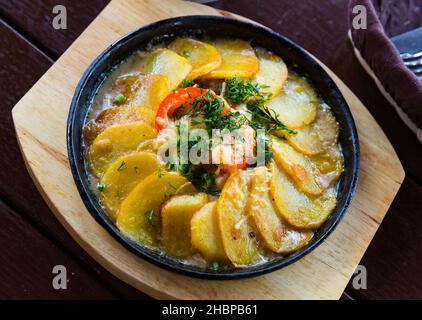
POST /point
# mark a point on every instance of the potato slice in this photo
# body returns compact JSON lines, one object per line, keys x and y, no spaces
{"x":237,"y":233}
{"x":277,"y":235}
{"x":318,"y":136}
{"x":329,"y":165}
{"x":176,"y":217}
{"x":300,"y":210}
{"x":296,"y":104}
{"x":118,"y":115}
{"x":116,"y":141}
{"x":206,"y":237}
{"x":272,"y":72}
{"x":299,"y":167}
{"x":139,"y":214}
{"x":122,"y":86}
{"x":202,"y":56}
{"x":238,"y":60}
{"x":187,"y":188}
{"x":166,"y":63}
{"x":148,"y":91}
{"x":122,"y":176}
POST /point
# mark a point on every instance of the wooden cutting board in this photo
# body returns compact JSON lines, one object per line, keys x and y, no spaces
{"x":40,"y":122}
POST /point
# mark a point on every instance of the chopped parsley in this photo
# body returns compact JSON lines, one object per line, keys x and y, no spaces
{"x":186,"y":53}
{"x":159,"y":173}
{"x":187,"y":83}
{"x":244,"y":91}
{"x":211,"y":107}
{"x":264,"y":117}
{"x":239,"y":90}
{"x":100,"y":187}
{"x":215,"y":266}
{"x":120,"y":99}
{"x":150,"y":216}
{"x":202,"y":180}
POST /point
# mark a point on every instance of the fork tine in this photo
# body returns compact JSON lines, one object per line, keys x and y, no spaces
{"x":409,"y":56}
{"x":415,"y":63}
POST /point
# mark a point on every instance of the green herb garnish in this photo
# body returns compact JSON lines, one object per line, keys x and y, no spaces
{"x":186,"y":53}
{"x":215,"y":266}
{"x":120,"y":99}
{"x":100,"y":187}
{"x":239,"y":90}
{"x":159,"y":173}
{"x":202,"y":180}
{"x":187,"y":83}
{"x":264,"y":117}
{"x":150,"y":216}
{"x":212,"y":107}
{"x":244,"y":91}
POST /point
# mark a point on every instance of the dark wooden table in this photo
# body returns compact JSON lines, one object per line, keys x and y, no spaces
{"x":31,"y":239}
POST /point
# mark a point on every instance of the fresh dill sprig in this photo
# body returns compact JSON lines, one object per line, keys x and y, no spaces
{"x":264,"y":117}
{"x":202,"y":180}
{"x":212,"y":106}
{"x":244,"y":91}
{"x":239,"y":90}
{"x":188,"y":83}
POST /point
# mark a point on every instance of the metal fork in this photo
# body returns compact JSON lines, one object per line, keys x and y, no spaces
{"x":414,"y":62}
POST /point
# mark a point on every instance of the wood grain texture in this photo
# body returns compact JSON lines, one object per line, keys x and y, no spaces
{"x":322,"y":274}
{"x":21,"y":242}
{"x":34,"y":19}
{"x":22,"y":64}
{"x":317,"y":26}
{"x":390,"y":262}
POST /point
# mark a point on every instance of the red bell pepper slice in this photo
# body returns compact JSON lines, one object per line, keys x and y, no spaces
{"x":175,"y":100}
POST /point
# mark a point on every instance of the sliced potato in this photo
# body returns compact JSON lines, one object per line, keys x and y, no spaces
{"x":123,"y":84}
{"x":318,"y":136}
{"x":148,"y":91}
{"x":299,"y":167}
{"x":206,"y":237}
{"x":139,"y":214}
{"x":166,"y":63}
{"x":122,"y":176}
{"x":116,"y":141}
{"x":300,"y":210}
{"x":272,"y":72}
{"x":176,"y":216}
{"x":202,"y":56}
{"x":118,"y":92}
{"x":329,"y":165}
{"x":277,"y":235}
{"x":238,"y":59}
{"x":117,"y":115}
{"x":296,"y":104}
{"x":237,"y":233}
{"x":187,"y":188}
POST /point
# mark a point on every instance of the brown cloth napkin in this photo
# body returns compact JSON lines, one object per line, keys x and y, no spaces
{"x":382,"y":61}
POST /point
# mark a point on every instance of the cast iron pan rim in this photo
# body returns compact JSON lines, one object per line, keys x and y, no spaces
{"x":153,"y":257}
